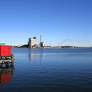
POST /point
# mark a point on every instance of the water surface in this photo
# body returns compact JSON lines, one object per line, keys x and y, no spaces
{"x":49,"y":70}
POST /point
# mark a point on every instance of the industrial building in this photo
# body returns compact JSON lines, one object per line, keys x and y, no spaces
{"x":32,"y":42}
{"x":42,"y":44}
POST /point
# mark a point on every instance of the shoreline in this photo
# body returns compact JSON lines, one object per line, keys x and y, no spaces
{"x":53,"y":47}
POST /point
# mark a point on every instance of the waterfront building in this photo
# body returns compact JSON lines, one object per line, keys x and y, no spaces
{"x":42,"y":44}
{"x":32,"y":42}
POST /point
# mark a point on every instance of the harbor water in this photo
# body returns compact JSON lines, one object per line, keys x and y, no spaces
{"x":49,"y":70}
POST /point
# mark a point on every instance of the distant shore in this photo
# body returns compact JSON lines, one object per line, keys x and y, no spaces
{"x":25,"y":46}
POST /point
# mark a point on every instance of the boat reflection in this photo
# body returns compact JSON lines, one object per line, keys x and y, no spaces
{"x":6,"y":74}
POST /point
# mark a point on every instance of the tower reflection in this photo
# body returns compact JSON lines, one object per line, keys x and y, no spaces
{"x":32,"y":56}
{"x":36,"y":57}
{"x":6,"y":74}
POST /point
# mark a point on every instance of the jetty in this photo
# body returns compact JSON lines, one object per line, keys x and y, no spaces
{"x":6,"y":58}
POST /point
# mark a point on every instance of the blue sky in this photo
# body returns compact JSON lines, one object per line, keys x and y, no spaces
{"x":65,"y":21}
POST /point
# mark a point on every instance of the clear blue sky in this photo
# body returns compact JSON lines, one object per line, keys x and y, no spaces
{"x":67,"y":21}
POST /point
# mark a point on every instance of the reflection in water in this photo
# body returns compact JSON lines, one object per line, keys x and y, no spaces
{"x":32,"y":56}
{"x":36,"y":56}
{"x":6,"y":74}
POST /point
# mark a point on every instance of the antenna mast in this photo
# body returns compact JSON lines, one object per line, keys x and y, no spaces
{"x":40,"y":38}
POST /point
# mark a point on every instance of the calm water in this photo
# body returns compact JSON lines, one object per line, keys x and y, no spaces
{"x":49,"y":70}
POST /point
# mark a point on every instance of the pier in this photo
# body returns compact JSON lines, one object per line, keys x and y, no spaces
{"x":6,"y":58}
